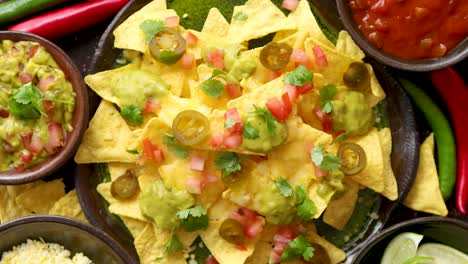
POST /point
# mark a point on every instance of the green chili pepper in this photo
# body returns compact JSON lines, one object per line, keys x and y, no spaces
{"x":443,"y":133}
{"x":16,"y":9}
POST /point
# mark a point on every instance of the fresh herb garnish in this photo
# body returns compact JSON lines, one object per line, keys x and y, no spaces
{"x":175,"y":147}
{"x":324,"y":161}
{"x":341,"y":137}
{"x":240,"y":16}
{"x":284,"y":187}
{"x":227,"y":162}
{"x":299,"y":76}
{"x":250,"y":132}
{"x":299,"y":247}
{"x":326,"y":95}
{"x":268,"y":117}
{"x":212,"y":87}
{"x":151,"y":28}
{"x":305,"y":206}
{"x":132,"y":114}
{"x":172,"y":245}
{"x":133,"y":151}
{"x":193,"y":219}
{"x":27,"y":102}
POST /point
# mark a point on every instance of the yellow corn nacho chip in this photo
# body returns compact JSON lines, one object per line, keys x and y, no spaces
{"x":263,"y":18}
{"x":261,"y":253}
{"x":425,"y":194}
{"x":41,"y":198}
{"x":216,"y":25}
{"x":336,"y":255}
{"x":8,"y":209}
{"x":107,"y":138}
{"x":340,"y":209}
{"x":129,"y":207}
{"x":390,"y":184}
{"x":135,"y":226}
{"x":346,"y":45}
{"x":69,"y":206}
{"x":372,"y":175}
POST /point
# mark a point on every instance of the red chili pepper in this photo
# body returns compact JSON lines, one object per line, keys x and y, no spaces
{"x":454,"y":92}
{"x":70,"y":19}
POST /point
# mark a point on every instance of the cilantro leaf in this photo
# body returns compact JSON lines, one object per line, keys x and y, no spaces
{"x":227,"y":162}
{"x":172,"y":245}
{"x":27,"y":102}
{"x":132,"y":114}
{"x":341,"y":137}
{"x":299,"y":76}
{"x":193,"y":219}
{"x":326,"y":95}
{"x":299,"y":247}
{"x":213,"y":88}
{"x":151,"y":28}
{"x":328,"y":161}
{"x":133,"y":151}
{"x":229,"y":123}
{"x":306,"y":209}
{"x":284,"y":187}
{"x":175,"y":147}
{"x":268,"y":117}
{"x":300,"y":194}
{"x":250,"y":132}
{"x":240,"y":16}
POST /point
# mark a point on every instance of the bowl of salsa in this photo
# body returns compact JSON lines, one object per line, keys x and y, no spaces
{"x":414,"y":35}
{"x":43,"y":107}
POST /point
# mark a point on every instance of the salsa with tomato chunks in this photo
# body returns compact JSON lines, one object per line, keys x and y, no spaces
{"x":412,"y":29}
{"x":36,"y":105}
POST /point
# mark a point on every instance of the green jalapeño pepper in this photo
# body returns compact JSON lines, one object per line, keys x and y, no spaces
{"x":167,"y":46}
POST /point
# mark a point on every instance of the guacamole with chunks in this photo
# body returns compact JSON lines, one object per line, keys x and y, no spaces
{"x":36,"y":105}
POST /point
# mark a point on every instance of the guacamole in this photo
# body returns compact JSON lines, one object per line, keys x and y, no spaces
{"x":36,"y":105}
{"x":162,"y":205}
{"x":352,"y":114}
{"x":277,"y":209}
{"x":237,"y":64}
{"x":265,"y":141}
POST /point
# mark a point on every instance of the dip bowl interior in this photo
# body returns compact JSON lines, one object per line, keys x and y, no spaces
{"x":447,"y":231}
{"x":80,"y":115}
{"x":73,"y":235}
{"x":452,"y":57}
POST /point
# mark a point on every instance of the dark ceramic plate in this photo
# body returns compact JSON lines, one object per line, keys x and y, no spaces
{"x":397,"y":106}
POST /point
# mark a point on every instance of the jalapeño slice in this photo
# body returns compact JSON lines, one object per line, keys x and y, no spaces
{"x":353,"y":158}
{"x":232,"y":231}
{"x":275,"y":56}
{"x":125,"y":186}
{"x":167,"y":46}
{"x":190,"y":127}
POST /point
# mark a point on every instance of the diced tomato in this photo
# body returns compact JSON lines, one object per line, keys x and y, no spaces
{"x":26,"y":138}
{"x":299,"y":57}
{"x":254,"y":228}
{"x":233,"y":115}
{"x":320,"y":57}
{"x":319,"y":173}
{"x":287,"y":231}
{"x":208,"y":179}
{"x":286,"y":103}
{"x":187,"y":61}
{"x":35,"y":145}
{"x":147,"y":149}
{"x":191,"y":39}
{"x":216,"y":58}
{"x":55,"y":137}
{"x":216,"y":140}
{"x":46,"y":82}
{"x":325,"y":119}
{"x":4,"y":113}
{"x":251,"y":215}
{"x":151,"y":106}
{"x":172,"y":21}
{"x":233,"y":90}
{"x":32,"y":50}
{"x":233,"y":141}
{"x":292,"y":92}
{"x":211,"y":260}
{"x":305,"y":88}
{"x":20,"y":168}
{"x":25,"y":156}
{"x":197,"y":163}
{"x":158,"y":155}
{"x":237,"y":216}
{"x":48,"y":105}
{"x":194,"y":186}
{"x":241,"y":247}
{"x":274,"y":74}
{"x":290,"y":5}
{"x":25,"y":77}
{"x":277,"y":109}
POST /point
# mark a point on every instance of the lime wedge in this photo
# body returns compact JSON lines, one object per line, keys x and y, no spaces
{"x":420,"y":260}
{"x":442,"y":254}
{"x":402,"y":248}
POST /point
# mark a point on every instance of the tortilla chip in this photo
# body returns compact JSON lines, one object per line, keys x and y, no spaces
{"x":263,"y":18}
{"x":107,"y":138}
{"x":336,"y":255}
{"x":171,"y":106}
{"x":261,"y":253}
{"x":425,"y":194}
{"x":372,"y":175}
{"x":390,"y":184}
{"x":340,"y":209}
{"x":8,"y":209}
{"x":133,"y":225}
{"x":346,"y":45}
{"x":196,"y":92}
{"x":69,"y":206}
{"x":41,"y":198}
{"x":129,"y":35}
{"x":216,"y":26}
{"x":129,"y":207}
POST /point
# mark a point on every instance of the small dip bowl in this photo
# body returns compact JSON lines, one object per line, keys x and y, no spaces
{"x":79,"y":120}
{"x":452,"y":57}
{"x":447,"y":231}
{"x":75,"y":236}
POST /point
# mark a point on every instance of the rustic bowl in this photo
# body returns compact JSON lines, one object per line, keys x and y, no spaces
{"x":80,"y":116}
{"x":448,"y":231}
{"x":452,"y":57}
{"x":73,"y":235}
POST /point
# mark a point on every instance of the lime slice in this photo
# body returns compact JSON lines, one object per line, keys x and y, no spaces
{"x":401,"y":248}
{"x":442,"y":254}
{"x":420,"y":260}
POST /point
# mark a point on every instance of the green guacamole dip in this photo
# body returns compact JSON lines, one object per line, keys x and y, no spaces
{"x":36,"y":105}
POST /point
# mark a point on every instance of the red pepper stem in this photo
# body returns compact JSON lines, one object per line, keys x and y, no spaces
{"x":454,"y":92}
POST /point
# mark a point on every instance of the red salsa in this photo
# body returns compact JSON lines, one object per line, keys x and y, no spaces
{"x":412,"y":29}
